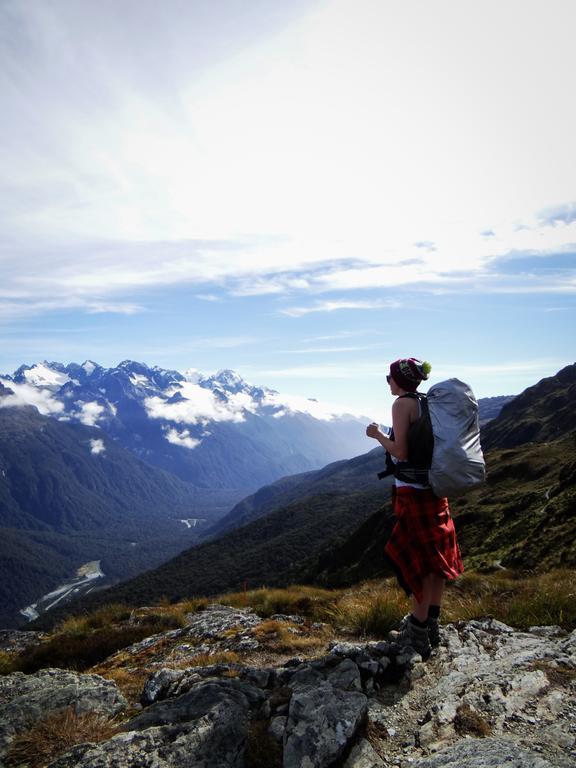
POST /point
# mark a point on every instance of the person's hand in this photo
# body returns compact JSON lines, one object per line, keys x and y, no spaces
{"x":373,"y":430}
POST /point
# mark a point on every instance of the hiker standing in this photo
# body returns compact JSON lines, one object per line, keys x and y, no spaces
{"x":422,"y":548}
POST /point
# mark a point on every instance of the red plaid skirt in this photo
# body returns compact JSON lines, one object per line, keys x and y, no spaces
{"x":423,"y":540}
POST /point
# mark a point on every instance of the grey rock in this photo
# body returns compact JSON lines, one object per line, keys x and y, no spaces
{"x":381,"y":648}
{"x":295,"y":662}
{"x":363,"y":755}
{"x":217,"y":619}
{"x":483,"y":753}
{"x":305,"y":675}
{"x":158,"y":684}
{"x":321,"y":723}
{"x":348,"y":650}
{"x":205,"y":727}
{"x":201,"y":698}
{"x":346,"y":676}
{"x":27,"y":699}
{"x":216,"y":739}
{"x":371,"y":668}
{"x":277,"y":727}
{"x":261,"y":678}
{"x":550,"y":631}
{"x":16,"y":641}
{"x":168,"y":683}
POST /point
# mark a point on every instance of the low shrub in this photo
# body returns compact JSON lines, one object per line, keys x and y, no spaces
{"x":102,"y":617}
{"x":81,"y":651}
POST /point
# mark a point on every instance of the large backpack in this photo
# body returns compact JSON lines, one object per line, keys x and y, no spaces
{"x":444,"y":442}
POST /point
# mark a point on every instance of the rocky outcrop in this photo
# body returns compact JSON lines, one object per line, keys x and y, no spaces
{"x":27,"y":699}
{"x":488,"y":697}
{"x":486,"y":686}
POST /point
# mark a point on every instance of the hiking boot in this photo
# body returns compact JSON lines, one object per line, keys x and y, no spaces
{"x":393,"y":634}
{"x":433,"y":631}
{"x":412,"y":636}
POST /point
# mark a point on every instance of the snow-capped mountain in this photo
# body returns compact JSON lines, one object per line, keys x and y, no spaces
{"x":216,"y":431}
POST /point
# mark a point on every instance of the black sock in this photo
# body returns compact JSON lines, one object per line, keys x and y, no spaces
{"x":414,"y":620}
{"x":434,"y":612}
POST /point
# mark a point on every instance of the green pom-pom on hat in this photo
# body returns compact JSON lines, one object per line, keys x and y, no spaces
{"x":426,"y":368}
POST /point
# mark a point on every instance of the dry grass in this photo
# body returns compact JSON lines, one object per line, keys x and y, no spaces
{"x":56,"y":734}
{"x":522,"y":602}
{"x":301,"y":600}
{"x":468,"y":722}
{"x":208,"y":659}
{"x":371,"y":610}
{"x":102,"y":617}
{"x":8,"y":662}
{"x":285,"y":637}
{"x":130,"y":681}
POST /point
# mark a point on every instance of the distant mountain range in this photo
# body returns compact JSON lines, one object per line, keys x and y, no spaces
{"x":216,"y":432}
{"x":330,"y":526}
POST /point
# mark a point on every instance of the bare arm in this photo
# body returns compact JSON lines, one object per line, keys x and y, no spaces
{"x":401,"y":422}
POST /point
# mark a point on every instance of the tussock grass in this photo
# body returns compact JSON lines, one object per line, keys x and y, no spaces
{"x":520,"y":601}
{"x":306,"y":601}
{"x":208,"y":659}
{"x":102,"y":617}
{"x":130,"y":681}
{"x":372,"y":610}
{"x":193,"y":605}
{"x":79,"y":652}
{"x":8,"y":662}
{"x":54,"y":735}
{"x":285,"y":637}
{"x":81,"y":643}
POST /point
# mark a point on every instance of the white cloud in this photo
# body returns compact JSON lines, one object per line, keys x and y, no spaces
{"x":97,"y":447}
{"x":360,"y":129}
{"x":183,"y":439}
{"x":197,"y":406}
{"x":323,"y":411}
{"x":90,"y":413}
{"x":28,"y":394}
{"x":336,"y":305}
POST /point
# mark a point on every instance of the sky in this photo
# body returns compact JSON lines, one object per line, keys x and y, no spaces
{"x":302,"y":192}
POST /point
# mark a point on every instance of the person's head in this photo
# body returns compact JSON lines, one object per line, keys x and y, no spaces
{"x":407,"y":373}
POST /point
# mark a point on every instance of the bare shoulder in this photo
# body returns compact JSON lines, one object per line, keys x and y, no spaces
{"x":406,"y":407}
{"x":405,"y":404}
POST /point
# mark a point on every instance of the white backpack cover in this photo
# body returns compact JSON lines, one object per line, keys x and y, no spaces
{"x":457,"y":460}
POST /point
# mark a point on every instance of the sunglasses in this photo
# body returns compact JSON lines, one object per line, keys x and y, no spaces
{"x":388,"y":378}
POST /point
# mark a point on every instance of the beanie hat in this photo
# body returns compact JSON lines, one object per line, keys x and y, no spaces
{"x":409,"y":372}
